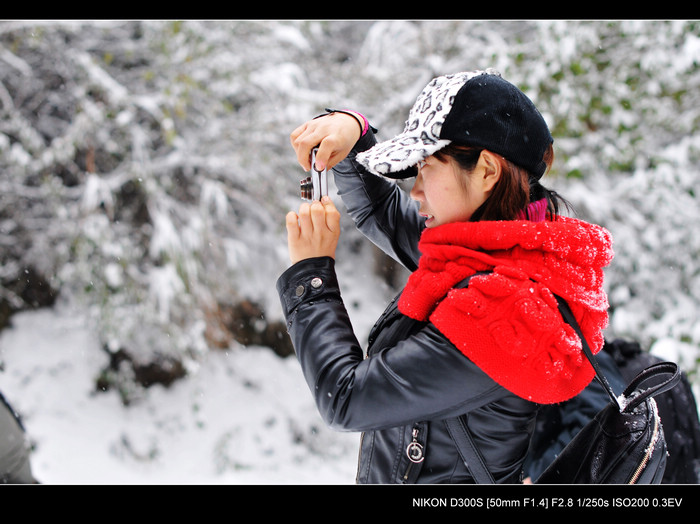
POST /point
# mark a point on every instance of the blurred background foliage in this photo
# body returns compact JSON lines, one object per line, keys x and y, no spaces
{"x":145,"y":166}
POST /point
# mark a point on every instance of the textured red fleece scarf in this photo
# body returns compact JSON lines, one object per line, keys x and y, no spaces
{"x":507,"y":321}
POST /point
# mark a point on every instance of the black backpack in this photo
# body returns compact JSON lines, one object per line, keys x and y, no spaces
{"x":622,"y":360}
{"x":677,"y":408}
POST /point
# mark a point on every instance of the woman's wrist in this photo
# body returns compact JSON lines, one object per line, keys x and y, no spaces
{"x":361,"y":120}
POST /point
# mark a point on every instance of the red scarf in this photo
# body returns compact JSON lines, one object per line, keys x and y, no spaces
{"x":507,"y":321}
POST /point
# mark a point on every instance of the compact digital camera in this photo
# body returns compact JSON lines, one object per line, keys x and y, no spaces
{"x":315,"y":186}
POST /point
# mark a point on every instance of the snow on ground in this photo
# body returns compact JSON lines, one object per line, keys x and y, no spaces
{"x":243,"y":417}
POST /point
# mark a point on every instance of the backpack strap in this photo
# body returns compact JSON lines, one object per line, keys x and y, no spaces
{"x":635,"y":395}
{"x":569,"y":318}
{"x":471,"y":456}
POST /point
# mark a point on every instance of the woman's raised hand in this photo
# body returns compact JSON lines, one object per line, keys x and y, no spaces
{"x":314,"y":231}
{"x":335,"y":134}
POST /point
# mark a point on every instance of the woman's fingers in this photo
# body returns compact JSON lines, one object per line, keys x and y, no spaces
{"x":314,"y":230}
{"x":325,"y":217}
{"x":303,"y":139}
{"x":292,"y":224}
{"x":332,"y":215}
{"x":305,"y":225}
{"x":318,"y":217}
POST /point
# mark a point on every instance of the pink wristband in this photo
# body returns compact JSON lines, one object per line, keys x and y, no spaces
{"x":365,"y":122}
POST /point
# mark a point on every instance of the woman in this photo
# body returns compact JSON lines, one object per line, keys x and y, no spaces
{"x":489,"y":350}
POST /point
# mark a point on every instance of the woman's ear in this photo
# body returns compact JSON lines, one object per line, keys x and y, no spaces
{"x":489,"y":169}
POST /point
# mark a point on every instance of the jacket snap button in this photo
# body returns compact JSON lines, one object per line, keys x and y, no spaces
{"x":316,"y":283}
{"x":299,"y":291}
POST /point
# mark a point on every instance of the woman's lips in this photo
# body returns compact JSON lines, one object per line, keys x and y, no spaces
{"x":428,"y":217}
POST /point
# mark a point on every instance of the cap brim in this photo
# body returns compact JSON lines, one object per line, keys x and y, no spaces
{"x":396,"y":158}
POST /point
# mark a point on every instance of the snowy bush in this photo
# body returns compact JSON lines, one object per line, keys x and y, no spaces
{"x":145,"y":166}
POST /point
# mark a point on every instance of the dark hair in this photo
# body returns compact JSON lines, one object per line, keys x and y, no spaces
{"x":513,"y":192}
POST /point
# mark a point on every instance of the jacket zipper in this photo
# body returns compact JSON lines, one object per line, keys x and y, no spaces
{"x":359,"y":457}
{"x":414,"y":452}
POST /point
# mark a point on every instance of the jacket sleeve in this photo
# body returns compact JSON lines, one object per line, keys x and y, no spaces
{"x":423,"y":377}
{"x":381,"y":210}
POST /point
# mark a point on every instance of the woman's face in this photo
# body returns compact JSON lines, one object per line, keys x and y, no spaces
{"x":445,"y":192}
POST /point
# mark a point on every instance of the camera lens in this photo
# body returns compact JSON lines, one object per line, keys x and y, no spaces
{"x":307,"y":188}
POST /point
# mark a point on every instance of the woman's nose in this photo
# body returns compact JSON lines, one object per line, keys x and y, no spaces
{"x":417,"y":189}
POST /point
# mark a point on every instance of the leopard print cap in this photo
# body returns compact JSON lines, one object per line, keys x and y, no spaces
{"x":421,"y":135}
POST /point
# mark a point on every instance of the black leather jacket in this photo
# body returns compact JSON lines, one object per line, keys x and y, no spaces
{"x":413,"y":377}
